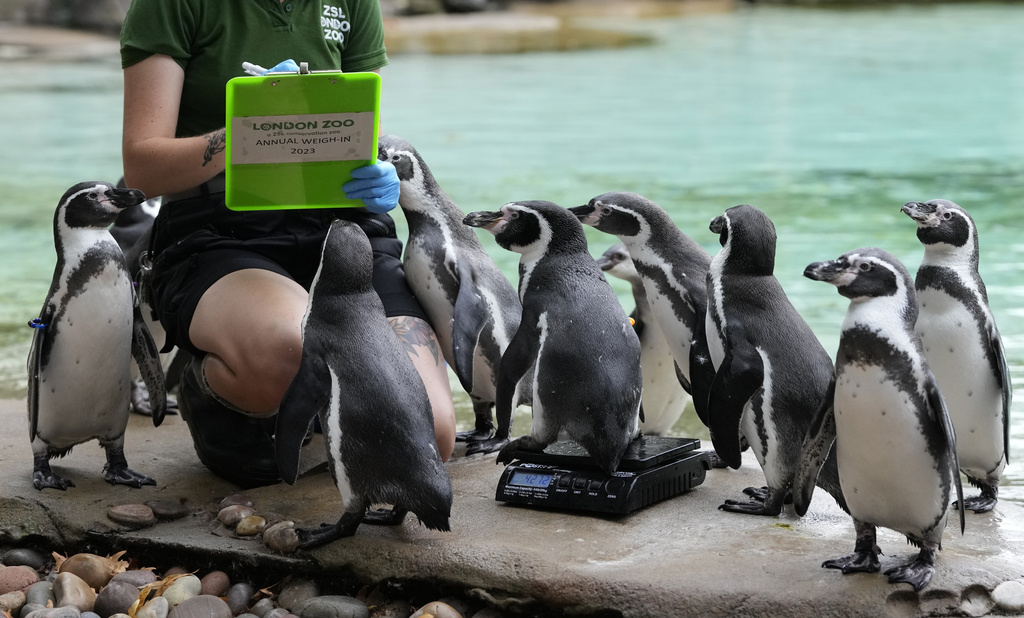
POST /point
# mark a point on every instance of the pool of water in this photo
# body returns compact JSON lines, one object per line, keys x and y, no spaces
{"x":828,"y":120}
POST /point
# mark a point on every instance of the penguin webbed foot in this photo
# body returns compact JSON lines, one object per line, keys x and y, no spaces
{"x":121,"y":474}
{"x":486,"y":446}
{"x":326,"y":533}
{"x":916,"y":573}
{"x":857,"y":562}
{"x":982,"y":503}
{"x":476,"y":435}
{"x":43,"y":479}
{"x":385,"y":517}
{"x":716,"y":461}
{"x":140,"y":403}
{"x":524,"y":443}
{"x":765,"y":502}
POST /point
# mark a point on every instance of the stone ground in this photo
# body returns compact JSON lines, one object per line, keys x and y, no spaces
{"x":679,"y":557}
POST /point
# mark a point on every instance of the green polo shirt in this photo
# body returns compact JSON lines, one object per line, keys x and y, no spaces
{"x":211,"y":38}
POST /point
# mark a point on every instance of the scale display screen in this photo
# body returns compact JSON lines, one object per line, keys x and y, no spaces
{"x":530,"y":479}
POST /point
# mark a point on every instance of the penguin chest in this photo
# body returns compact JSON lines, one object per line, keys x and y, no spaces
{"x":84,"y":384}
{"x":678,"y":331}
{"x":430,"y":273}
{"x":663,"y":398}
{"x":886,"y":472}
{"x":953,"y":345}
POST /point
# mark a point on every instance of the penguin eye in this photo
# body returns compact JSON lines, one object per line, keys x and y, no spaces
{"x":946,"y":216}
{"x":513,"y":215}
{"x":865,"y":267}
{"x":92,"y":195}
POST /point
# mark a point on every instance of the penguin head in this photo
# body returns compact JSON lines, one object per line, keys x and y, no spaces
{"x":346,"y":261}
{"x":626,"y":215}
{"x":94,"y":205}
{"x":413,"y":173}
{"x":748,"y":240}
{"x":942,"y":222}
{"x":532,"y":228}
{"x":866,"y":273}
{"x":616,"y":262}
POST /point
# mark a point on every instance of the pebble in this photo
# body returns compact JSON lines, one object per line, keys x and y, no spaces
{"x":335,"y":606}
{"x":231,"y":515}
{"x":167,"y":510}
{"x":183,"y":588}
{"x":25,"y":557}
{"x":115,"y":598}
{"x":282,"y":537}
{"x":262,"y":607}
{"x":250,"y":526}
{"x":296,"y":593}
{"x":246,"y":616}
{"x":12,"y":601}
{"x":238,"y":597}
{"x":175,"y":570}
{"x":277,"y":612}
{"x":95,"y":615}
{"x":393,"y":609}
{"x":16,"y":578}
{"x":201,"y":606}
{"x":71,"y":590}
{"x":436,"y":609}
{"x":132,"y":515}
{"x":39,"y":593}
{"x":94,"y":570}
{"x":28,"y":608}
{"x":1009,"y":596}
{"x":156,"y":607}
{"x":237,"y":499}
{"x":135,"y":577}
{"x":55,"y":612}
{"x":215,"y":583}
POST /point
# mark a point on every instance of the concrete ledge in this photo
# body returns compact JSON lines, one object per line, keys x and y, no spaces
{"x":680,"y":557}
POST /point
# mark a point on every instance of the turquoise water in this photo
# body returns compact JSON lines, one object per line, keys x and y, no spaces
{"x":828,"y":120}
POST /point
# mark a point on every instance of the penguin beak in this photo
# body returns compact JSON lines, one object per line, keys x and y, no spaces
{"x":124,"y":198}
{"x":920,"y":212}
{"x":829,"y":271}
{"x":587,"y":213}
{"x":483,"y":219}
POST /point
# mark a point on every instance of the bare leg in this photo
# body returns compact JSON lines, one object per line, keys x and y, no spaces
{"x":425,"y":351}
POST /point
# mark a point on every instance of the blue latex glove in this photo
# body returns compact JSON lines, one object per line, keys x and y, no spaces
{"x":376,"y":185}
{"x":288,"y":65}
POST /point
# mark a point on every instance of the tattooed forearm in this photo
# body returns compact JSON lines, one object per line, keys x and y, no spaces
{"x":216,"y":143}
{"x":415,"y":334}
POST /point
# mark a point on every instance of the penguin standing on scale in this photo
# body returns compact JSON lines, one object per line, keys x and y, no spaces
{"x":374,"y":410}
{"x":894,"y":442}
{"x":472,"y":306}
{"x":575,"y":347}
{"x":772,"y":373}
{"x":674,"y":270}
{"x":962,"y":344}
{"x":89,"y":330}
{"x":664,"y":398}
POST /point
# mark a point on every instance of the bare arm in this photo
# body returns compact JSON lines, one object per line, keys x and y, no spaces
{"x":154,"y":160}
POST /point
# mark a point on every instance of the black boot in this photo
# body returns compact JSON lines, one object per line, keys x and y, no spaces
{"x":232,"y":445}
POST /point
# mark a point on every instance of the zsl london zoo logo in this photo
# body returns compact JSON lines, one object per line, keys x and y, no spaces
{"x":334,"y":23}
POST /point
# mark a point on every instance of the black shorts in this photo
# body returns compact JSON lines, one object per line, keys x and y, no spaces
{"x":197,"y":241}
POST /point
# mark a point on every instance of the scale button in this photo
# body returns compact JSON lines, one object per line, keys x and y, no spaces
{"x":614,"y":486}
{"x":579,"y":483}
{"x":595,"y":484}
{"x":564,"y":480}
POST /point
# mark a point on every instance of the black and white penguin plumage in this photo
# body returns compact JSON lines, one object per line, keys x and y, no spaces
{"x":574,"y":345}
{"x":962,"y":344}
{"x":771,"y":372}
{"x":89,"y":330}
{"x":374,"y":410}
{"x":893,"y":437}
{"x":674,"y":270}
{"x":663,"y":397}
{"x":472,"y":306}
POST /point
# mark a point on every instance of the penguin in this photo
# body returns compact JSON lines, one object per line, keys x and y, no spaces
{"x":771,"y":372}
{"x":373,"y":408}
{"x":894,"y":441}
{"x":574,"y":345}
{"x":962,"y":344}
{"x":663,"y":397}
{"x":472,"y":306}
{"x":674,"y":270}
{"x":87,"y":333}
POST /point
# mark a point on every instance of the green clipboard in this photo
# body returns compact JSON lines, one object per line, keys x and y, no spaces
{"x":294,"y":138}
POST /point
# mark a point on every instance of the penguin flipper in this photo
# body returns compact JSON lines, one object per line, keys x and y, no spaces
{"x":937,"y":408}
{"x":469,"y":317}
{"x":306,"y":396}
{"x":821,"y":435}
{"x":702,"y":373}
{"x":738,"y":378}
{"x":35,"y":359}
{"x":995,"y":344}
{"x":148,"y":359}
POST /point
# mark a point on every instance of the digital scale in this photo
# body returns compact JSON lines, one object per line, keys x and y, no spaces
{"x":565,"y":476}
